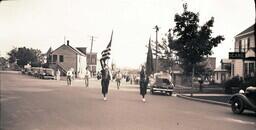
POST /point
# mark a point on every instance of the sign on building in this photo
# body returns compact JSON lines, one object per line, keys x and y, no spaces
{"x":236,"y":55}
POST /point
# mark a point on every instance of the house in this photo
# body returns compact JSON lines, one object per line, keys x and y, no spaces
{"x":92,"y":62}
{"x":223,"y":73}
{"x":243,"y":58}
{"x":66,"y":57}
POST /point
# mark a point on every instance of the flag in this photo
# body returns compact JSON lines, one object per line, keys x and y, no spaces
{"x":149,"y":62}
{"x":105,"y":54}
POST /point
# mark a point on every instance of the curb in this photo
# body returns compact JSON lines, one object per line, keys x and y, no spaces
{"x":203,"y":100}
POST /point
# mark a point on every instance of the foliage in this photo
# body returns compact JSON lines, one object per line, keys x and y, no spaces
{"x":149,"y":62}
{"x":237,"y":83}
{"x":23,"y":56}
{"x":193,"y":42}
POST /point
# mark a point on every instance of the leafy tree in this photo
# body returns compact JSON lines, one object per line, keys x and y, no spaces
{"x":23,"y":56}
{"x":193,"y":42}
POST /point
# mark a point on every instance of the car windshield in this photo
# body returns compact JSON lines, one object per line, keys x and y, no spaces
{"x":161,"y":80}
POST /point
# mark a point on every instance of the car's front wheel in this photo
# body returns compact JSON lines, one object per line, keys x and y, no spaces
{"x":237,"y":106}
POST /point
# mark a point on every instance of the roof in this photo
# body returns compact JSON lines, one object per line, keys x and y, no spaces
{"x":246,"y":31}
{"x":82,"y":49}
{"x":49,"y":51}
{"x":76,"y":50}
{"x":71,"y":48}
{"x":226,"y":61}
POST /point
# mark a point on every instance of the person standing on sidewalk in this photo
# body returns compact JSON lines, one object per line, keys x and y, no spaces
{"x":69,"y":76}
{"x":105,"y":81}
{"x":118,"y":79}
{"x":86,"y":77}
{"x":143,"y":83}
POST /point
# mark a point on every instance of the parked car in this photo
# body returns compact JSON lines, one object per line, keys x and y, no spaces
{"x":161,"y":83}
{"x":47,"y":73}
{"x":244,"y":100}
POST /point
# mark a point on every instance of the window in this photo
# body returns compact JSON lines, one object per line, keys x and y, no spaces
{"x":61,"y":58}
{"x":54,"y":58}
{"x":248,"y":43}
{"x":233,"y":69}
{"x":93,"y":60}
{"x":246,"y":69}
{"x":240,"y":45}
{"x":251,"y":69}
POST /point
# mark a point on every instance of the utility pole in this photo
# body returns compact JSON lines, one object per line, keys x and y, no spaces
{"x":156,"y":60}
{"x":90,"y":59}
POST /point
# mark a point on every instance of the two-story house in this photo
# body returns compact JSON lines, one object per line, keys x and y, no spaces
{"x":66,"y":57}
{"x":243,"y":58}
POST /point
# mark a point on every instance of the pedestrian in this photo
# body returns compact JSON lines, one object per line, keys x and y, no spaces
{"x":118,"y":79}
{"x":58,"y":75}
{"x":86,"y":77}
{"x":105,"y":81}
{"x":69,"y":76}
{"x":143,"y":83}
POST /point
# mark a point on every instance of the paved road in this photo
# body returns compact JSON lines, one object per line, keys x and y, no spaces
{"x":32,"y":104}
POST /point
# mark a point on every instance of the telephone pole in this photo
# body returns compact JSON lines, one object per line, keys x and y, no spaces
{"x":156,"y":60}
{"x":90,"y":59}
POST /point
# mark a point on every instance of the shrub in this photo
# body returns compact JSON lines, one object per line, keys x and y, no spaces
{"x":234,"y":85}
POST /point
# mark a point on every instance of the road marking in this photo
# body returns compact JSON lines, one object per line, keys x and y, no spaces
{"x":7,"y":98}
{"x":240,"y":121}
{"x":26,"y":89}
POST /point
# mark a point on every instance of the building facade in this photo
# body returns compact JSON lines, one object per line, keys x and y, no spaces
{"x":66,"y":57}
{"x":243,"y":58}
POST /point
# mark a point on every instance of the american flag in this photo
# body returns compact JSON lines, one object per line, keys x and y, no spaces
{"x":105,"y":54}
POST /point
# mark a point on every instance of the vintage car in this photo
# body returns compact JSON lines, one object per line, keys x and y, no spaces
{"x":244,"y":100}
{"x":161,"y":83}
{"x":47,"y":73}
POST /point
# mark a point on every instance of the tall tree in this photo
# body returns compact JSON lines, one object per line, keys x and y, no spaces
{"x":193,"y":42}
{"x":23,"y":56}
{"x":149,"y":62}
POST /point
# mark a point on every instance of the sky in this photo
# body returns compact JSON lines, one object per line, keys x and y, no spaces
{"x":41,"y":24}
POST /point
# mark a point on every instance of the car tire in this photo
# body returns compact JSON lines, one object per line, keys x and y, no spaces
{"x":237,"y":106}
{"x":170,"y":93}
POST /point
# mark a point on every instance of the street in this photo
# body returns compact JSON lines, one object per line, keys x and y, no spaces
{"x":28,"y":103}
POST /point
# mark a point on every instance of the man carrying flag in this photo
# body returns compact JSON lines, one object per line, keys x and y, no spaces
{"x":106,"y":75}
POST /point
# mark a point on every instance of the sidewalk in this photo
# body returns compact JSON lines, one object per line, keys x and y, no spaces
{"x":209,"y":95}
{"x":221,"y":99}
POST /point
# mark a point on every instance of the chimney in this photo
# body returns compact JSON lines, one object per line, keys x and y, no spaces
{"x":68,"y":42}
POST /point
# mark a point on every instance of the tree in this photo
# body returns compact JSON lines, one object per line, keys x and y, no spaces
{"x":23,"y":56}
{"x":193,"y":42}
{"x":149,"y":63}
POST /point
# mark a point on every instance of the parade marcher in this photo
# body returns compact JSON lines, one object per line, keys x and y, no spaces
{"x":105,"y":81}
{"x":118,"y":79}
{"x":69,"y":76}
{"x":143,"y":83}
{"x":86,"y":77}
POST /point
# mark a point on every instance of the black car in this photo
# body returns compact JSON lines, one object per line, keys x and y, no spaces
{"x":162,"y":83}
{"x":244,"y":100}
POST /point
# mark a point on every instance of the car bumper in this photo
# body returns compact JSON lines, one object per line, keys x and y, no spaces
{"x":162,"y":89}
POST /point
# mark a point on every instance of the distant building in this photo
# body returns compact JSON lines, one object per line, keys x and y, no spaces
{"x":210,"y":63}
{"x":92,"y":62}
{"x":223,"y":73}
{"x":66,"y":57}
{"x":243,"y":58}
